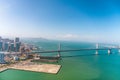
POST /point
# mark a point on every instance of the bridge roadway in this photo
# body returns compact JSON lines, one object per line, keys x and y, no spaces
{"x":83,"y":49}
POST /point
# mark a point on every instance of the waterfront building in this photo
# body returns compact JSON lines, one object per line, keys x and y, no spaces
{"x":15,"y":58}
{"x":2,"y":61}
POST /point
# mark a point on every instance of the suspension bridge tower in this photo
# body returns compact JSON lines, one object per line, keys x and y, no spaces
{"x":109,"y":51}
{"x":59,"y":48}
{"x":119,"y":48}
{"x":97,"y":46}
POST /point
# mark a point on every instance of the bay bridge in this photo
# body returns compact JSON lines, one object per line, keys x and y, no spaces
{"x":97,"y":49}
{"x":59,"y":51}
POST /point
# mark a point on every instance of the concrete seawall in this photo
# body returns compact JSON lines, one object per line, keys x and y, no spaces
{"x":3,"y":69}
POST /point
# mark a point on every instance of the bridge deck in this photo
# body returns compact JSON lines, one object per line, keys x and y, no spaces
{"x":52,"y":51}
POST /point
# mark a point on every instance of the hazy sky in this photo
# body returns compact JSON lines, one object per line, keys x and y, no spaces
{"x":89,"y":20}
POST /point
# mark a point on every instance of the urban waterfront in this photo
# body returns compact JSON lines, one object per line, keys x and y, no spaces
{"x":59,"y":40}
{"x":79,"y":65}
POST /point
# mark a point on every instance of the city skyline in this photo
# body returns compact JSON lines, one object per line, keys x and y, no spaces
{"x":8,"y":45}
{"x":80,"y":20}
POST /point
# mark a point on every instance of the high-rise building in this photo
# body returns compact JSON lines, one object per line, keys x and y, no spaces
{"x":17,"y":39}
{"x":16,"y":44}
{"x":0,"y":38}
{"x":10,"y":45}
{"x":12,"y":48}
{"x":1,"y":45}
{"x":2,"y":61}
{"x":6,"y":46}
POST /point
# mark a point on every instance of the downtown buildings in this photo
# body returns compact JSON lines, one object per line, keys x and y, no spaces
{"x":7,"y":45}
{"x":13,"y":50}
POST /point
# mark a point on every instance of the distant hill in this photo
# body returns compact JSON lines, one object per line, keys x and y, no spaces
{"x":35,"y":39}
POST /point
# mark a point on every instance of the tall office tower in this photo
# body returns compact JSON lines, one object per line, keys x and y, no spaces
{"x":2,"y":61}
{"x":18,"y":46}
{"x":9,"y":47}
{"x":12,"y":48}
{"x":16,"y":41}
{"x":6,"y":46}
{"x":14,"y":45}
{"x":1,"y":45}
{"x":0,"y":38}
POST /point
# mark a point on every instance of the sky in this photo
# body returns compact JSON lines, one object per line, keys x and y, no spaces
{"x":80,"y":20}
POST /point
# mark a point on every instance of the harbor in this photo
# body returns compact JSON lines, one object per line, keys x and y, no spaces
{"x":80,"y":65}
{"x":59,"y":61}
{"x":59,"y":40}
{"x":26,"y":59}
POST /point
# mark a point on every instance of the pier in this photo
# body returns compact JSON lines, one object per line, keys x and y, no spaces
{"x":31,"y":66}
{"x":46,"y":68}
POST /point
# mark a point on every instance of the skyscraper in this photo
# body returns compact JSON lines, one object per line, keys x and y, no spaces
{"x":16,"y":44}
{"x":2,"y":56}
{"x":12,"y":48}
{"x":0,"y":38}
{"x":1,"y":45}
{"x":17,"y":39}
{"x":6,"y":46}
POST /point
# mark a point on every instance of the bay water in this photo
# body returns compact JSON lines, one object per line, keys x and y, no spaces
{"x":77,"y":65}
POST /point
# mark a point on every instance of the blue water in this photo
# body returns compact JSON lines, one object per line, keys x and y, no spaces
{"x":79,"y":65}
